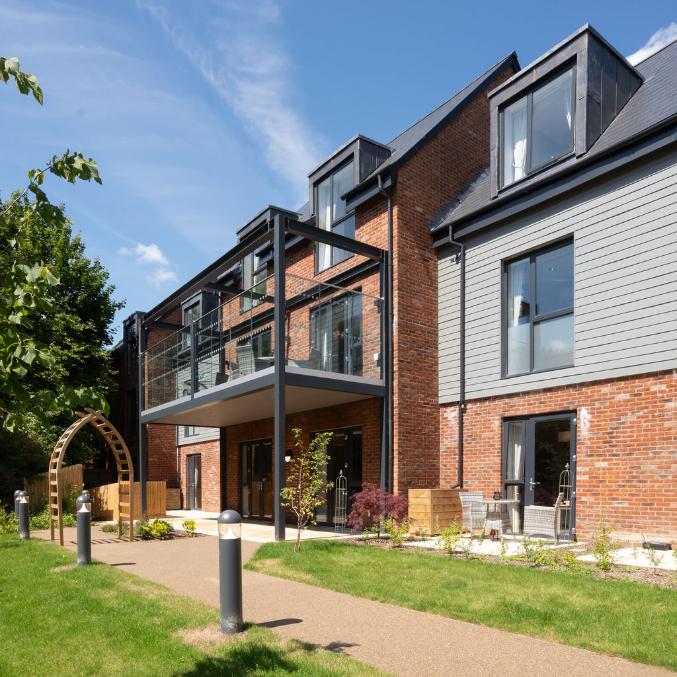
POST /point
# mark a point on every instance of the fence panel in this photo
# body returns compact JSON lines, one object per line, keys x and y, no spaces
{"x":38,"y":486}
{"x":105,"y":500}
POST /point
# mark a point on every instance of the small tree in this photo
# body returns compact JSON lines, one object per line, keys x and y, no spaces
{"x":373,"y":506}
{"x":307,"y":484}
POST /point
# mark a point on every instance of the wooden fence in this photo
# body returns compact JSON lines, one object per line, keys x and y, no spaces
{"x":38,"y":487}
{"x":105,"y":500}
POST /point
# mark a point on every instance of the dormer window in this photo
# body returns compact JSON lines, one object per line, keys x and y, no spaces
{"x":538,"y":128}
{"x":332,"y":215}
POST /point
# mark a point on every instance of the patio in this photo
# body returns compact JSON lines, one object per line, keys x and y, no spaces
{"x":255,"y":532}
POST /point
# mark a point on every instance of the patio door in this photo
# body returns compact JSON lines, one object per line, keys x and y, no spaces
{"x":537,"y":453}
{"x":345,"y":456}
{"x":194,"y":482}
{"x":257,"y":479}
{"x":336,"y":335}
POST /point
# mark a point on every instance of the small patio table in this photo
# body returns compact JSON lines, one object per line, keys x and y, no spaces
{"x":496,"y":509}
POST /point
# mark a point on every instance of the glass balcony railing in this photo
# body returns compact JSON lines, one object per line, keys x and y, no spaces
{"x":327,"y":328}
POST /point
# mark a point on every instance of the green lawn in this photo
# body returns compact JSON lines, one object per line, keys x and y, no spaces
{"x":98,"y":620}
{"x":624,"y":618}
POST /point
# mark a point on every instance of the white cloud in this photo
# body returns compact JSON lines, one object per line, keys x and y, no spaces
{"x":160,"y":276}
{"x":662,"y":37}
{"x":146,"y":253}
{"x":247,"y":66}
{"x":152,"y":255}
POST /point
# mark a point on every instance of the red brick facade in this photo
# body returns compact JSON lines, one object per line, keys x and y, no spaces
{"x":626,"y":448}
{"x":427,"y":181}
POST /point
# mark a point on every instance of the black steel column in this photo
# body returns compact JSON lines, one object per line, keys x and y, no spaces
{"x":280,"y":370}
{"x":142,"y":444}
{"x":385,"y":372}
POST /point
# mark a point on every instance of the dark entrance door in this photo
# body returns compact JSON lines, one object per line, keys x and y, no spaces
{"x":193,"y":468}
{"x":537,"y":452}
{"x":345,"y":456}
{"x":257,"y":479}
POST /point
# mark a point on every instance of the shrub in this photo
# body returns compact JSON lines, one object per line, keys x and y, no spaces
{"x":8,"y":522}
{"x":603,"y":546}
{"x":538,"y":553}
{"x":396,"y":531}
{"x":189,"y":527}
{"x":372,"y":506}
{"x":450,"y":537}
{"x":157,"y":529}
{"x":41,"y":520}
{"x":112,"y":528}
{"x":143,"y":530}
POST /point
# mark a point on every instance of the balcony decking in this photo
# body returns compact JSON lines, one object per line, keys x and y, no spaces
{"x":251,"y":397}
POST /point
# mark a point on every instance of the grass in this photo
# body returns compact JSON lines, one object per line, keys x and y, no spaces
{"x":99,"y":620}
{"x":624,"y":618}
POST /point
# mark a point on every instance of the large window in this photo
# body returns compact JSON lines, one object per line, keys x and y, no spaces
{"x":253,"y":282}
{"x":332,"y":215}
{"x":539,"y":310}
{"x":538,"y":128}
{"x":336,"y":336}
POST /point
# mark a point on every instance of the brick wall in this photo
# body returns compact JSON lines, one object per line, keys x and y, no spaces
{"x":161,"y":453}
{"x":364,"y":413}
{"x":210,"y":473}
{"x":426,"y":183}
{"x":626,"y":449}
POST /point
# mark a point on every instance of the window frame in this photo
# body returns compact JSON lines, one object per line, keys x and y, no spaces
{"x":258,"y":267}
{"x":334,"y":224}
{"x":257,"y":337}
{"x":530,"y":171}
{"x":534,"y":318}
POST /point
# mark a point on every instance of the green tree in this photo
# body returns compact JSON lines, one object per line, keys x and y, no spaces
{"x":56,"y":305}
{"x":307,"y":484}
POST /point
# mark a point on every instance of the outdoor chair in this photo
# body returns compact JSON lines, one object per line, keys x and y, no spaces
{"x":220,"y":378}
{"x":246,"y":363}
{"x":543,"y":520}
{"x":473,"y":509}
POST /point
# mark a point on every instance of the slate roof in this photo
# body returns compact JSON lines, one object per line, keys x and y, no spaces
{"x":408,"y":141}
{"x":653,"y":103}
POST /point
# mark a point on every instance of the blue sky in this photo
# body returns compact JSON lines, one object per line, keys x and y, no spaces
{"x":201,"y":113}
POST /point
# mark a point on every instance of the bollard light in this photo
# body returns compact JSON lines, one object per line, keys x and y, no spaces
{"x":230,"y":571}
{"x":83,"y":509}
{"x":23,"y":515}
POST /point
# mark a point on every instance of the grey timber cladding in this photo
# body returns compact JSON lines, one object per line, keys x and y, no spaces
{"x":625,"y":284}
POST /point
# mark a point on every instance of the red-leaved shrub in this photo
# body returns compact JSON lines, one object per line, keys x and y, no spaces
{"x":372,"y":505}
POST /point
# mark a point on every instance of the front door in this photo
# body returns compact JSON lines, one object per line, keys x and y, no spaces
{"x":345,"y":457}
{"x":539,"y":463}
{"x":257,"y":479}
{"x":194,"y":482}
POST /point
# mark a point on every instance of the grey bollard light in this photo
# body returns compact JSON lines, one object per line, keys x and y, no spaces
{"x":83,"y":509}
{"x":230,"y":571}
{"x":22,"y":515}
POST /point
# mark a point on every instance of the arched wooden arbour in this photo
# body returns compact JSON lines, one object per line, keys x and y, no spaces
{"x":122,"y":459}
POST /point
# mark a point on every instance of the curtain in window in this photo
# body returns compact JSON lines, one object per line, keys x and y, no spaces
{"x":514,"y":141}
{"x":514,"y":469}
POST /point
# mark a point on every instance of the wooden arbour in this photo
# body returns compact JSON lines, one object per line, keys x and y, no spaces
{"x":122,"y":459}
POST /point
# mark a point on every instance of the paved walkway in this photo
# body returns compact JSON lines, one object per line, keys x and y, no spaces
{"x":398,"y":640}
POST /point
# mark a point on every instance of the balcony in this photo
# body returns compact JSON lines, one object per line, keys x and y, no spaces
{"x":220,"y":370}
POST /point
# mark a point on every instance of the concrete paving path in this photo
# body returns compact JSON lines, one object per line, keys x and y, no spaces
{"x":392,"y":638}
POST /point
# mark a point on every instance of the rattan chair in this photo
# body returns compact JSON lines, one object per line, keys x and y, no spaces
{"x":542,"y":520}
{"x":473,"y":509}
